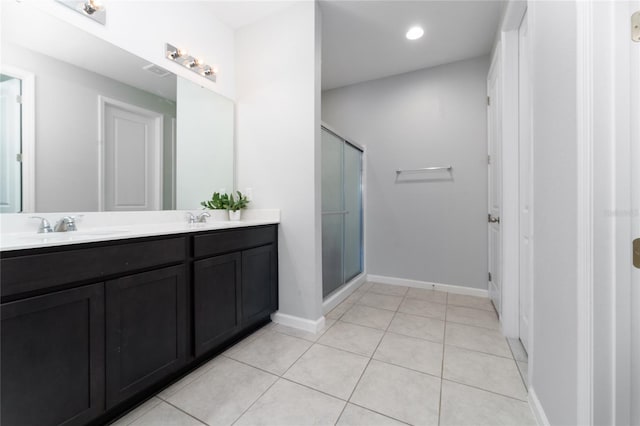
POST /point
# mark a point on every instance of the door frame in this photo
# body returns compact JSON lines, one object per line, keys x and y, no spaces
{"x":494,"y":167}
{"x":28,"y":124}
{"x":103,"y":103}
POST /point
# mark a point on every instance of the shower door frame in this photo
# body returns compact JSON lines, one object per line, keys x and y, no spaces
{"x":342,"y":292}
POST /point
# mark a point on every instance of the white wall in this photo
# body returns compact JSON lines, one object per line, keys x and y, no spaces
{"x":553,"y":44}
{"x":143,"y":28}
{"x":66,"y":108}
{"x":432,"y":228}
{"x":277,"y":135}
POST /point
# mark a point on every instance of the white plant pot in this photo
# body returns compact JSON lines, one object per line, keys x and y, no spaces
{"x":235,"y":216}
{"x":219,"y":215}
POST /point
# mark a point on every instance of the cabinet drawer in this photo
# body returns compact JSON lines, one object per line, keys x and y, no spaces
{"x":232,"y":240}
{"x":38,"y":271}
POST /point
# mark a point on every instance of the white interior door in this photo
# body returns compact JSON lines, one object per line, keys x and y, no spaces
{"x":634,"y":75}
{"x":10,"y":145}
{"x":495,"y":188}
{"x":132,"y":158}
{"x":525,"y":185}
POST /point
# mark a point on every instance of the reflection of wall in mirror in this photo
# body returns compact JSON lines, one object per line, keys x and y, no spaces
{"x":205,"y":164}
{"x":67,"y":129}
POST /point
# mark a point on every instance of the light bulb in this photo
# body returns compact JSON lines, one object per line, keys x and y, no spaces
{"x":415,"y":33}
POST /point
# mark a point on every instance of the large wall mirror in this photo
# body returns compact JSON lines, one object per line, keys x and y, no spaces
{"x":107,"y":130}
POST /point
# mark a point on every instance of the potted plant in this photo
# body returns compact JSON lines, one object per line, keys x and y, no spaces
{"x":219,"y":205}
{"x":236,"y":205}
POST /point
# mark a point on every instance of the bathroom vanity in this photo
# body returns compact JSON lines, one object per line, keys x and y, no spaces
{"x":90,"y":329}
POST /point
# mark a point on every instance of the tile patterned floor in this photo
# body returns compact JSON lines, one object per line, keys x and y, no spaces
{"x":389,"y":355}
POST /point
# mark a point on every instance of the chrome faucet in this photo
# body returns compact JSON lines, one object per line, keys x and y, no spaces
{"x":45,"y":226}
{"x":202,"y":217}
{"x":66,"y":224}
{"x":191,"y":218}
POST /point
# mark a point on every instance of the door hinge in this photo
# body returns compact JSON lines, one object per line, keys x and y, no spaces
{"x":488,"y":100}
{"x":636,"y":253}
{"x":635,"y":27}
{"x":19,"y":157}
{"x":490,"y":277}
{"x":19,"y":99}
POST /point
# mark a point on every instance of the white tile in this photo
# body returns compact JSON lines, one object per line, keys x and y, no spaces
{"x":329,"y":370}
{"x":302,"y":334}
{"x":463,"y":405}
{"x":403,"y":394}
{"x":472,"y":316}
{"x":223,"y":393}
{"x":353,"y":298}
{"x":380,"y":301}
{"x":470,"y":301}
{"x":489,"y":372}
{"x":519,"y":353}
{"x":174,"y":388}
{"x":358,"y":416}
{"x":368,"y":317}
{"x":389,"y":290}
{"x":352,"y":338}
{"x":477,"y":338}
{"x":338,"y":311}
{"x":423,"y":308}
{"x":416,"y":326}
{"x":137,"y":412}
{"x":434,"y":296}
{"x":409,"y":352}
{"x":164,"y":414}
{"x":523,"y":367}
{"x":271,"y":351}
{"x":288,"y":403}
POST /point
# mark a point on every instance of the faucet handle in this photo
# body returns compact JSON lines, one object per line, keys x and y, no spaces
{"x":191,"y":218}
{"x":202,"y":217}
{"x":45,"y":226}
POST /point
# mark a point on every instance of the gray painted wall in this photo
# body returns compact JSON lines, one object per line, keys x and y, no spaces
{"x":553,"y":48}
{"x":67,"y":128}
{"x":432,"y":228}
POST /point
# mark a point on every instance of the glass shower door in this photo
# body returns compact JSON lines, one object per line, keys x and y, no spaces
{"x":341,"y":212}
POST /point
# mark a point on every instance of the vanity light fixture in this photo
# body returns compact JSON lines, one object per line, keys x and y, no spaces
{"x":93,"y":9}
{"x":415,"y":33}
{"x":192,"y":63}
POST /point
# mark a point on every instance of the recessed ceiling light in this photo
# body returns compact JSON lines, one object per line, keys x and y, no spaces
{"x":415,"y":33}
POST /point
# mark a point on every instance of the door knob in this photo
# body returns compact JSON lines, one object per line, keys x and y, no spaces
{"x":493,"y":219}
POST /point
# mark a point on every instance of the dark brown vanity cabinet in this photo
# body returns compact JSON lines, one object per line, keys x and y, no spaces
{"x":52,"y":361}
{"x":146,"y":323}
{"x":88,"y":330}
{"x":216,"y":300}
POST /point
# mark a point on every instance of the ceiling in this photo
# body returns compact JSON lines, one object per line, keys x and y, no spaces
{"x":365,"y":40}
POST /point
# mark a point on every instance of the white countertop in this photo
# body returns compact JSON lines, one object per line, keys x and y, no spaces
{"x":118,"y":226}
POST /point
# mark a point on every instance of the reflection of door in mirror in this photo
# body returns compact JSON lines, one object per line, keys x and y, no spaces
{"x":10,"y":145}
{"x":132,"y":152}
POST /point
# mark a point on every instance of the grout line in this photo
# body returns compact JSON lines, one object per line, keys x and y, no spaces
{"x":256,"y":400}
{"x":480,"y":352}
{"x":486,"y":390}
{"x":444,"y":339}
{"x":377,"y":412}
{"x":188,"y":414}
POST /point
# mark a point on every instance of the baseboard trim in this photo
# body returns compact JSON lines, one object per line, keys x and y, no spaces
{"x":345,"y":291}
{"x":428,"y":285}
{"x":536,"y":408}
{"x":298,"y":322}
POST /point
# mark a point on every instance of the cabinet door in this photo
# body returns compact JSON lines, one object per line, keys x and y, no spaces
{"x":216,"y":293}
{"x":53,"y":358}
{"x":146,"y":330}
{"x":259,"y":283}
